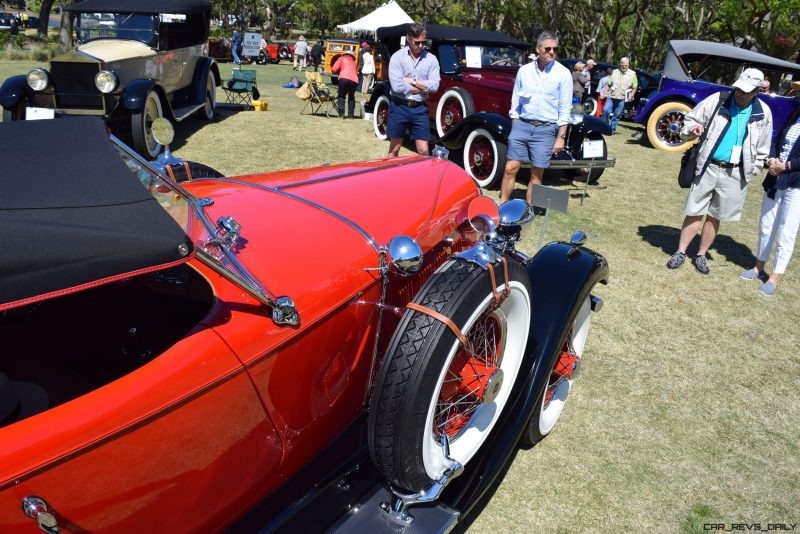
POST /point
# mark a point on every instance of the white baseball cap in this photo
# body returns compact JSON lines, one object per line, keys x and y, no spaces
{"x":749,"y":80}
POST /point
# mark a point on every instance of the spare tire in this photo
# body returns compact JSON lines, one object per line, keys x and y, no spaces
{"x":430,"y":385}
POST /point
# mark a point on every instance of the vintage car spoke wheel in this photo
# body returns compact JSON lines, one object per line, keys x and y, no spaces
{"x":15,"y":112}
{"x":141,"y":126}
{"x":454,"y":106}
{"x":380,"y":117}
{"x":208,"y":110}
{"x":664,"y":127}
{"x":197,"y":170}
{"x":430,"y":385}
{"x":484,"y":158}
{"x":561,"y":376}
{"x":263,"y":58}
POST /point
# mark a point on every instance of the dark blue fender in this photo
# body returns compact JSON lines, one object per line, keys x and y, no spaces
{"x":13,"y":89}
{"x":589,"y":124}
{"x":136,"y":93}
{"x":497,"y":125}
{"x":562,"y":276}
{"x":196,"y":93}
{"x":682,"y":95}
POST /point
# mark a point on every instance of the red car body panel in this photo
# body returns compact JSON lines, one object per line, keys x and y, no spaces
{"x":489,"y":88}
{"x":123,"y":457}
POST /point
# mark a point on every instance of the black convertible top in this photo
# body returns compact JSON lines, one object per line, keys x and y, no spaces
{"x":73,"y":215}
{"x":140,"y":6}
{"x":436,"y":32}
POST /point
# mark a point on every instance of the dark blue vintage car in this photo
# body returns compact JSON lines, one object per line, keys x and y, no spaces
{"x":694,"y":70}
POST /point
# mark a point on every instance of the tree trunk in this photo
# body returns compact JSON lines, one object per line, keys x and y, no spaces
{"x":44,"y":18}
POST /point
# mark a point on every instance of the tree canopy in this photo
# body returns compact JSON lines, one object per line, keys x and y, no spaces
{"x":601,"y":29}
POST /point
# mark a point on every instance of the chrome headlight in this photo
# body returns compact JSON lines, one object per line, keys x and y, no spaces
{"x":38,"y":79}
{"x":106,"y":81}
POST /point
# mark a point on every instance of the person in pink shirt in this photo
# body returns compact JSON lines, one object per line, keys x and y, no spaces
{"x":348,"y":81}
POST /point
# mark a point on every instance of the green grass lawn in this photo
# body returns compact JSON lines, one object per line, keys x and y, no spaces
{"x":686,"y":410}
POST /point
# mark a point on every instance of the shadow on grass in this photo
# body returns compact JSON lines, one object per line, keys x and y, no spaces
{"x":666,"y":238}
{"x":185,"y":128}
{"x":466,"y":521}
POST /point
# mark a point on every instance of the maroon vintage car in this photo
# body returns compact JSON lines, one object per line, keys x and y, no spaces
{"x":469,"y":112}
{"x":306,"y":350}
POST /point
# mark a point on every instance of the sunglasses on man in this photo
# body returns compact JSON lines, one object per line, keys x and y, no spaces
{"x":549,"y":49}
{"x":419,"y":43}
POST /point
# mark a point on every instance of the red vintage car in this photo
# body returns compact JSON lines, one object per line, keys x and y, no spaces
{"x":187,"y":352}
{"x":469,"y":112}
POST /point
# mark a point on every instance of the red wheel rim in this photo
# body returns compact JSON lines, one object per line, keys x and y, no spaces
{"x":470,"y":371}
{"x":382,"y":117}
{"x":562,"y":370}
{"x":451,"y":114}
{"x":481,"y":158}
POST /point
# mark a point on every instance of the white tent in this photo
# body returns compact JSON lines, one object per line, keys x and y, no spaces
{"x":389,"y":14}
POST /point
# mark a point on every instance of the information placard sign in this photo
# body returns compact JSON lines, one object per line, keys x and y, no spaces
{"x":251,"y":44}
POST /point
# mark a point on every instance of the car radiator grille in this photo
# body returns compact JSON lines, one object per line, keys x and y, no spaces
{"x":74,"y":85}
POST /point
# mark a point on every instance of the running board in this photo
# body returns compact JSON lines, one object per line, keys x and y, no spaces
{"x":184,"y":111}
{"x":370,"y":516}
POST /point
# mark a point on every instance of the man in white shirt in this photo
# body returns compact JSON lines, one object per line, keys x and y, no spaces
{"x":540,"y":110}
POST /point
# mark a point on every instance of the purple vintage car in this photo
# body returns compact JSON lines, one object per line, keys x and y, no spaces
{"x":694,"y":70}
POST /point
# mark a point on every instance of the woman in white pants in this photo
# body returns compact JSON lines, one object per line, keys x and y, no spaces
{"x":780,"y":208}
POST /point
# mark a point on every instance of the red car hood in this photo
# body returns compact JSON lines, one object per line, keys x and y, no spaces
{"x":296,"y":238}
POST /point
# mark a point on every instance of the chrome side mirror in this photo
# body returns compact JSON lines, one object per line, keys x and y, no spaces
{"x":163,"y":132}
{"x":405,"y":255}
{"x":515,"y":212}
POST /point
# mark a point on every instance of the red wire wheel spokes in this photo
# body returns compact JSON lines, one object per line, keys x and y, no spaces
{"x":481,"y":158}
{"x":451,"y":114}
{"x":562,"y":370}
{"x":474,"y":375}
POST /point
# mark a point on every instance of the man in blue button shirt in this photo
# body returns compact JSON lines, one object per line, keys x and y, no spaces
{"x":734,"y":150}
{"x":413,"y":74}
{"x":540,"y":110}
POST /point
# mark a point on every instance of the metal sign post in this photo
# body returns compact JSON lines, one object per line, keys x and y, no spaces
{"x":548,"y":198}
{"x":591,"y":150}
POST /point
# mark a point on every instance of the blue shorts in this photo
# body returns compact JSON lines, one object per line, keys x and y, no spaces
{"x":403,"y":117}
{"x":532,"y":143}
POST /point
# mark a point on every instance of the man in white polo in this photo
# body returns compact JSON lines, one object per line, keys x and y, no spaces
{"x":540,"y":110}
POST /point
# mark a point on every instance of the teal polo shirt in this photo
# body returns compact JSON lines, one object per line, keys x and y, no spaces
{"x":734,"y":135}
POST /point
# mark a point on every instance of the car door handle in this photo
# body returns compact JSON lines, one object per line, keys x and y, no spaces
{"x":36,"y":508}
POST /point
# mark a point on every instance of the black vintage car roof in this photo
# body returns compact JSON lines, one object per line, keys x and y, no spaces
{"x":436,"y":32}
{"x":72,"y":214}
{"x":140,"y":6}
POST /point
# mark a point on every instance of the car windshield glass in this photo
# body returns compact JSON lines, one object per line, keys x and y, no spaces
{"x":724,"y":73}
{"x":91,"y":26}
{"x":172,"y":200}
{"x":492,"y":56}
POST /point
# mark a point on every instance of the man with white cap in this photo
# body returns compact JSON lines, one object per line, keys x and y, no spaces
{"x":733,"y":152}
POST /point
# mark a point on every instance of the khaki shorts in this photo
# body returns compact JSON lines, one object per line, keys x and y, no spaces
{"x":720,"y":193}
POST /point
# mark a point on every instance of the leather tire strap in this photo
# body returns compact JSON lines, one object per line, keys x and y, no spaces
{"x":442,"y":319}
{"x":499,"y":297}
{"x":171,"y":174}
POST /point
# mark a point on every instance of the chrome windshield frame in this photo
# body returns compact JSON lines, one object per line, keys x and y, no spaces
{"x":239,"y":275}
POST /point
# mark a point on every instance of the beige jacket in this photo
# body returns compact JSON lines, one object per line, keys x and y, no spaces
{"x":756,"y":143}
